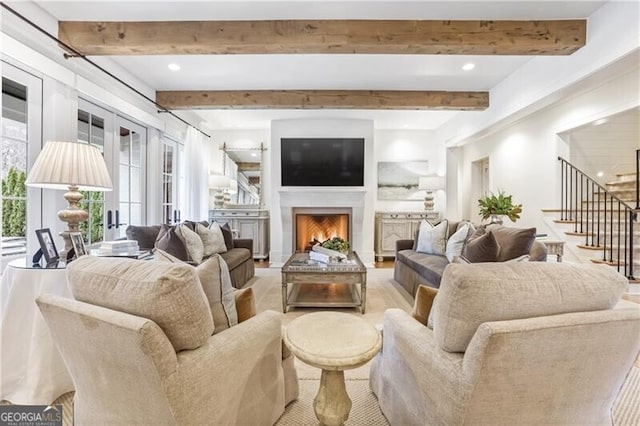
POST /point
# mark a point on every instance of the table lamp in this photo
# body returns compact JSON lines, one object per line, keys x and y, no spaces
{"x":233,"y":189}
{"x":430,"y":184}
{"x":74,"y":166}
{"x":220,"y":183}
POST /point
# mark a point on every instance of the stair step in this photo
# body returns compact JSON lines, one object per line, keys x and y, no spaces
{"x":578,"y":234}
{"x":608,"y":262}
{"x":564,"y":221}
{"x":586,"y":247}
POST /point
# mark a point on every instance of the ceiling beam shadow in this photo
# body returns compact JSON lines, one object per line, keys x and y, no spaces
{"x":324,"y":99}
{"x":552,"y":37}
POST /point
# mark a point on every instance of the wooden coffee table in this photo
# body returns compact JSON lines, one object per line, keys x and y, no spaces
{"x":334,"y":342}
{"x":318,"y":285}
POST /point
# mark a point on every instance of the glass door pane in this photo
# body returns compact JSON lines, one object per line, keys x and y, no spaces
{"x":131,"y":184}
{"x":91,"y":130}
{"x":170,"y":176}
{"x":20,"y":143}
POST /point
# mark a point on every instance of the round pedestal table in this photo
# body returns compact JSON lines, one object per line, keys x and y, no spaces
{"x":334,"y":342}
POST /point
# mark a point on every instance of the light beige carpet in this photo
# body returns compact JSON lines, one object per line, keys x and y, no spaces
{"x":382,"y":293}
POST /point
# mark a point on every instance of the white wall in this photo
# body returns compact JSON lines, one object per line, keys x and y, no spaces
{"x":523,"y":157}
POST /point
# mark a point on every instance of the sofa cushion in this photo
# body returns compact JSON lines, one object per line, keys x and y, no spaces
{"x":144,"y":235}
{"x":236,"y":257}
{"x":432,"y":239}
{"x":473,"y":294}
{"x":514,"y":242}
{"x":429,"y":266}
{"x":169,"y":241}
{"x":212,"y":239}
{"x":168,"y":294}
{"x":482,"y":246}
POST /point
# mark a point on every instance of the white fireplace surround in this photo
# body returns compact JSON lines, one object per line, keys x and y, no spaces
{"x":354,"y":200}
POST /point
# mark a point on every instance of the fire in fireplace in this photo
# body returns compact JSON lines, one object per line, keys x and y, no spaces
{"x":319,"y":225}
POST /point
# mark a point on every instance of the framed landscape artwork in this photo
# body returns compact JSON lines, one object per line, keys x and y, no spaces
{"x":399,"y":180}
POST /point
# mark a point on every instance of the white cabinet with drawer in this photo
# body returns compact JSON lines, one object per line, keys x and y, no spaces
{"x":393,"y":226}
{"x":245,"y":223}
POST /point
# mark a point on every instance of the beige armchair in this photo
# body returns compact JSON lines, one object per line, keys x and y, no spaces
{"x":148,"y":356}
{"x":527,"y":343}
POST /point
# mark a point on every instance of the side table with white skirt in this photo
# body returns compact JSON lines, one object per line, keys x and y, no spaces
{"x":32,"y":371}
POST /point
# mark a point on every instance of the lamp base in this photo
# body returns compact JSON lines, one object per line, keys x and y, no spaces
{"x":218,"y":200}
{"x":72,"y":215}
{"x":428,"y":201}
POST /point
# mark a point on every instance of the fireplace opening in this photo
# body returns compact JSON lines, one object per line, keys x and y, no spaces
{"x":313,"y":226}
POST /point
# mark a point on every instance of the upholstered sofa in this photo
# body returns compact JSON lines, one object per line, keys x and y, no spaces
{"x":413,"y":268}
{"x":239,"y":254}
{"x":525,"y":343}
{"x":155,"y":342}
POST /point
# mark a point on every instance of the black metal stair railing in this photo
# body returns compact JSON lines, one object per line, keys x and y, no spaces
{"x":637,"y":179}
{"x":603,"y":219}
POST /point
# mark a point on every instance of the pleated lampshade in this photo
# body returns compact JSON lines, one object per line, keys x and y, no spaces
{"x":63,"y":164}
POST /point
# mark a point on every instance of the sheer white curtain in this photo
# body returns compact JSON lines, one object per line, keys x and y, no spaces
{"x":195,"y":190}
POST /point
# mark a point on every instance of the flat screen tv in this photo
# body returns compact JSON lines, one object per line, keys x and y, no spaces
{"x":322,"y":161}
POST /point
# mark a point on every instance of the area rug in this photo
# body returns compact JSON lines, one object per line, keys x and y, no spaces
{"x":382,"y":293}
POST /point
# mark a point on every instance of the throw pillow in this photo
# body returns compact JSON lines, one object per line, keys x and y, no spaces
{"x":171,"y":243}
{"x":481,"y":247}
{"x":149,"y":290}
{"x":192,"y":243}
{"x":456,"y":242}
{"x":226,"y":233}
{"x":423,"y":303}
{"x":245,"y":304}
{"x":212,"y":239}
{"x":514,"y":242}
{"x":216,"y":283}
{"x":432,"y":239}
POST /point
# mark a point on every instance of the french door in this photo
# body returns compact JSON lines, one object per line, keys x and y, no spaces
{"x":123,"y":144}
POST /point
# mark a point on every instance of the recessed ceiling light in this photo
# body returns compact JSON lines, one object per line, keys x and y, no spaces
{"x":468,"y":67}
{"x":174,"y":67}
{"x":253,"y":154}
{"x":600,"y":174}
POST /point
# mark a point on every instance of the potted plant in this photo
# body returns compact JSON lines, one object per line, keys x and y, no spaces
{"x":496,"y":205}
{"x":338,"y":244}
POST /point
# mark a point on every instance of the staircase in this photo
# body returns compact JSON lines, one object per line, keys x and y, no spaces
{"x":599,"y":223}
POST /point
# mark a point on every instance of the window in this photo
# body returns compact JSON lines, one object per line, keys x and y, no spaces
{"x":21,"y":142}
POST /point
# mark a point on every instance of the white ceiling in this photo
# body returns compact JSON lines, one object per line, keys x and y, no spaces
{"x":383,"y":72}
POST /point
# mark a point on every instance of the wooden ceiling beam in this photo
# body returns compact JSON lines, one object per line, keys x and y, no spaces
{"x":324,"y":99}
{"x":559,"y":37}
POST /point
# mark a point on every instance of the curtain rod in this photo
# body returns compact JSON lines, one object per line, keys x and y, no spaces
{"x":78,"y":54}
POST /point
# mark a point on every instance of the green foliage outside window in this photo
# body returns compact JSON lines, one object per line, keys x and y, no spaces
{"x":93,"y":202}
{"x":14,"y":206}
